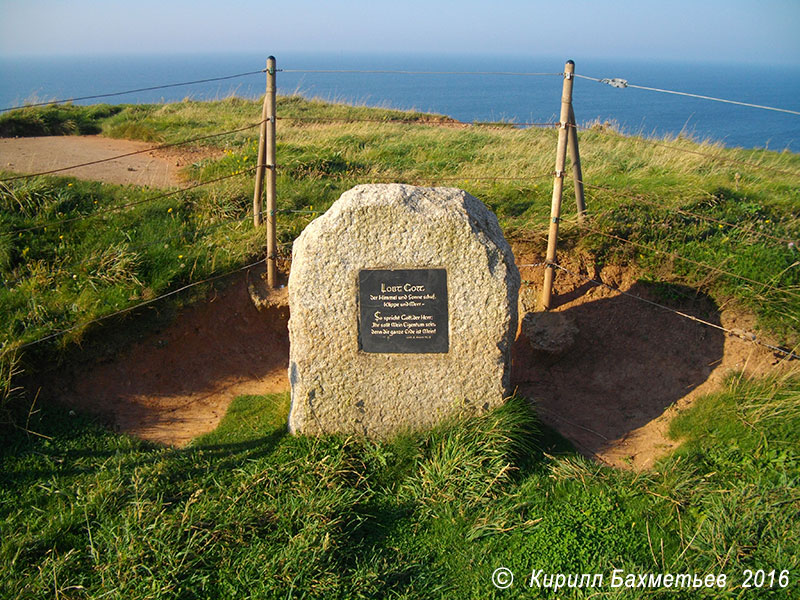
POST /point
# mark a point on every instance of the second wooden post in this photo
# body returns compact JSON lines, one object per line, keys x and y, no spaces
{"x":558,"y":183}
{"x":272,"y":240}
{"x":262,"y":146}
{"x":575,"y":159}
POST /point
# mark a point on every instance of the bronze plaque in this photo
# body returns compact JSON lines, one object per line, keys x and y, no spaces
{"x":403,"y":311}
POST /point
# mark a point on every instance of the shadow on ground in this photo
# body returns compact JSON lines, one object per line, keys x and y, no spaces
{"x":628,"y":363}
{"x":177,"y":384}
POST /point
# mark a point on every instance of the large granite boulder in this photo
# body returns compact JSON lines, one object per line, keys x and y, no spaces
{"x":403,"y":304}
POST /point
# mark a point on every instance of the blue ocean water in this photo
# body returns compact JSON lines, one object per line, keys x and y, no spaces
{"x":464,"y":97}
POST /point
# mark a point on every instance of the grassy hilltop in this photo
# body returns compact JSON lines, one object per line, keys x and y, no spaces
{"x":249,"y":511}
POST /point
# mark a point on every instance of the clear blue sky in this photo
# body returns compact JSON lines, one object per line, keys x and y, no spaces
{"x":760,"y":31}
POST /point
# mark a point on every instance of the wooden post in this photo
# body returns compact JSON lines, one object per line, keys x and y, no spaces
{"x":262,"y":137}
{"x":575,"y":159}
{"x":558,"y":183}
{"x":270,"y":110}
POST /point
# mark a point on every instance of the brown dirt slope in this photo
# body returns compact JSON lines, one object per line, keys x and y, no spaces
{"x":612,"y":392}
{"x":177,"y":384}
{"x":631,"y":367}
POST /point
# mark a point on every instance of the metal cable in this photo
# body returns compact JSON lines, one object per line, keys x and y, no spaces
{"x":128,"y":205}
{"x":623,"y":83}
{"x":396,"y":72}
{"x":129,"y":309}
{"x":640,"y":198}
{"x":161,"y":147}
{"x":434,"y":179}
{"x":687,"y":151}
{"x":241,"y":172}
{"x":468,"y":178}
{"x":748,"y":336}
{"x":219,"y":225}
{"x":689,"y":260}
{"x":431,"y":122}
{"x":144,"y":89}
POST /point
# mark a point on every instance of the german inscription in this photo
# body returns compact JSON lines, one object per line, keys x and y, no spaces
{"x":403,"y":311}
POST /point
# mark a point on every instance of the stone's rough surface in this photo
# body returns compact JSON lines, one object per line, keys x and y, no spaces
{"x":528,"y":298}
{"x":337,"y":387}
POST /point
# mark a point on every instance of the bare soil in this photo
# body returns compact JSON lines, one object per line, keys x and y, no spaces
{"x":152,"y":167}
{"x":630,"y":369}
{"x":627,"y":370}
{"x":177,"y":384}
{"x":632,"y":366}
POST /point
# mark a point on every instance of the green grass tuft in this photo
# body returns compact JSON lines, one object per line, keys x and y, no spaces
{"x":252,"y":511}
{"x":61,"y":119}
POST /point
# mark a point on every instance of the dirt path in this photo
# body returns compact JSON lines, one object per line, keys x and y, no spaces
{"x":155,"y":168}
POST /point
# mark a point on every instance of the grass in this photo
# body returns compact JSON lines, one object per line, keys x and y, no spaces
{"x":63,"y":119}
{"x":110,"y":257}
{"x":250,"y":511}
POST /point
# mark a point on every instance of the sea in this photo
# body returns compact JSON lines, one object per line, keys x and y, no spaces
{"x":450,"y":86}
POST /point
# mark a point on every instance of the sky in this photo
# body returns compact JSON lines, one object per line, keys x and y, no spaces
{"x":737,"y":31}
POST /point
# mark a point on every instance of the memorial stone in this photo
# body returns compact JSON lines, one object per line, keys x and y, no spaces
{"x":403,"y":304}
